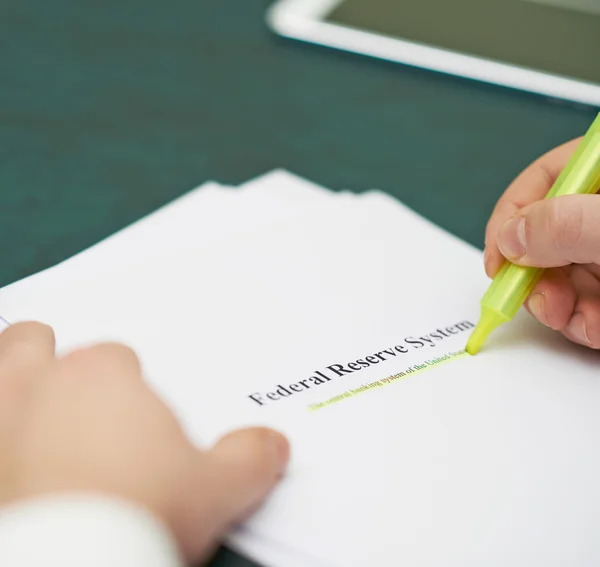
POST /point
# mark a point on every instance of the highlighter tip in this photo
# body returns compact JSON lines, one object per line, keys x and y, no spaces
{"x":473,"y":346}
{"x":478,"y":338}
{"x":489,"y":321}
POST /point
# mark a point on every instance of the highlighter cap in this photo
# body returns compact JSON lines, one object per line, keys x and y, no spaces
{"x":581,"y":175}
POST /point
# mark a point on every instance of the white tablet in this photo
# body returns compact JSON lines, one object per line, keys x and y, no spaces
{"x":551,"y":47}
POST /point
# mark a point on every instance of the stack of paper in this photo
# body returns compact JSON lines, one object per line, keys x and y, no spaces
{"x":341,"y":320}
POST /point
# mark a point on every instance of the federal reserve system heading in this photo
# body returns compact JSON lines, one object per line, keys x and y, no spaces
{"x":335,"y":371}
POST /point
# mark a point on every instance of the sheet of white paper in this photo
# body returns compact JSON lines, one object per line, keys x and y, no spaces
{"x":202,"y":217}
{"x":271,"y":553}
{"x":487,"y":460}
{"x":209,"y":213}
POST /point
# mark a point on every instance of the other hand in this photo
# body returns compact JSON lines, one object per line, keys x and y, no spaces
{"x":87,"y":422}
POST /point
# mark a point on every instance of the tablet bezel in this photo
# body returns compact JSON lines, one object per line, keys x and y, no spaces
{"x":303,"y":20}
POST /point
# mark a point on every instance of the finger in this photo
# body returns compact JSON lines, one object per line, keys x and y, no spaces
{"x":585,"y":281}
{"x":231,"y":481}
{"x":584,"y":326}
{"x":594,"y":269}
{"x":531,"y":185}
{"x":106,"y":361}
{"x":554,"y":232}
{"x":581,"y":328}
{"x":25,"y":348}
{"x":553,"y":299}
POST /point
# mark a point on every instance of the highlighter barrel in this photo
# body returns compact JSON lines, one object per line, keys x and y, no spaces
{"x":513,"y":284}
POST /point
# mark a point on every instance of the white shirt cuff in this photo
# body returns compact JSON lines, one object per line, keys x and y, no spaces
{"x":90,"y":530}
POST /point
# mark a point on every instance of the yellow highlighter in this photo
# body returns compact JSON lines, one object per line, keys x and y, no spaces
{"x":513,"y":284}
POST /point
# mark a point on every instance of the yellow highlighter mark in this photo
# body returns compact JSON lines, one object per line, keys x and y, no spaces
{"x":407,"y":373}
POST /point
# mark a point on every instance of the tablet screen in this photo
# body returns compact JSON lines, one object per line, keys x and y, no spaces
{"x":561,"y":37}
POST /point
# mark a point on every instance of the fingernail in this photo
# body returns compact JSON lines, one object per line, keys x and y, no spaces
{"x":486,"y":260}
{"x":537,"y":306}
{"x":576,"y":330}
{"x":512,"y":238}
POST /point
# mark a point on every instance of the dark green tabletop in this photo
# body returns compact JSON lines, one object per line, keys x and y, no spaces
{"x":110,"y":109}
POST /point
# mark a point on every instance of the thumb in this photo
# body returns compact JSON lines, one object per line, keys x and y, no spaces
{"x":554,"y":232}
{"x":232,"y":480}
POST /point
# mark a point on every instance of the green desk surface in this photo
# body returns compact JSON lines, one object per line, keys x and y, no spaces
{"x":111,"y":109}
